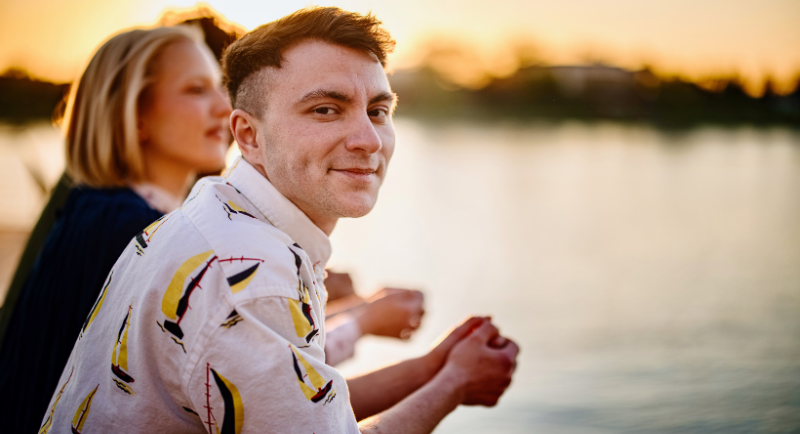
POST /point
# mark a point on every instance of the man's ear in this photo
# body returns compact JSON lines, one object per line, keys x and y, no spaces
{"x":244,"y":131}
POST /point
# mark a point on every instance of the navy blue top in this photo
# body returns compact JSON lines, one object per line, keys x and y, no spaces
{"x":84,"y":243}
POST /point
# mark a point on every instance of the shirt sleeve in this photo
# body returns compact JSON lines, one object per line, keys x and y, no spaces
{"x":340,"y":343}
{"x":256,"y":375}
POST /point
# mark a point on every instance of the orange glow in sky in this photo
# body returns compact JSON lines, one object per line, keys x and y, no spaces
{"x":695,"y":38}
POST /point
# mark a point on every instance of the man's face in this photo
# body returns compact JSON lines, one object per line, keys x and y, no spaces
{"x":326,"y":135}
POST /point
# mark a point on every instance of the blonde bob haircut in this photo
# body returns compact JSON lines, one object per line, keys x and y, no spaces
{"x":100,"y":122}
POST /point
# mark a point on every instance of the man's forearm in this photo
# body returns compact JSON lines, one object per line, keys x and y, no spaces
{"x":376,"y":391}
{"x":421,"y":411}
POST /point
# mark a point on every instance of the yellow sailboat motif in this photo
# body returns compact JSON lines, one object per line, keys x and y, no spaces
{"x":301,"y":315}
{"x":119,"y":356}
{"x":239,"y":281}
{"x":175,"y":302}
{"x":320,"y":389}
{"x":301,"y":308}
{"x":169,"y":304}
{"x":154,"y":227}
{"x":231,"y":208}
{"x":234,"y":410}
{"x":83,"y":412}
{"x":49,"y":422}
{"x":148,"y":232}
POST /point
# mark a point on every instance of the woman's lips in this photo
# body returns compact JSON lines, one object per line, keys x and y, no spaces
{"x":216,"y":132}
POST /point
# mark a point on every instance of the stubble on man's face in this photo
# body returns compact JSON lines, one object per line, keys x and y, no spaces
{"x":326,"y":131}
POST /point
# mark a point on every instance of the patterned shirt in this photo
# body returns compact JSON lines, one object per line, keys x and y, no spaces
{"x":212,"y":320}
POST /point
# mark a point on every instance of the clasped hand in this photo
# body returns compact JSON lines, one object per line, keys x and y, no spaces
{"x":478,"y":360}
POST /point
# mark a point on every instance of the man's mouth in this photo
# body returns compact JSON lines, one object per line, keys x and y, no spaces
{"x":357,"y":173}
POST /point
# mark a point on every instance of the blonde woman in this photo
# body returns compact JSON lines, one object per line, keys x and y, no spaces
{"x":147,"y":115}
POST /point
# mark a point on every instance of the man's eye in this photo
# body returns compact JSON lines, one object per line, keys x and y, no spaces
{"x":324,"y":110}
{"x":376,"y":113}
{"x":196,"y":90}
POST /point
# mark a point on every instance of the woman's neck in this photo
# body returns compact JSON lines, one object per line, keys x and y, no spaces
{"x":173,"y":178}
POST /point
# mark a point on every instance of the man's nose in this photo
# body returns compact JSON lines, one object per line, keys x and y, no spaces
{"x":363,"y":136}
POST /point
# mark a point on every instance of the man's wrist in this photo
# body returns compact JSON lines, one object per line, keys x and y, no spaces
{"x":452,"y":381}
{"x":433,"y":362}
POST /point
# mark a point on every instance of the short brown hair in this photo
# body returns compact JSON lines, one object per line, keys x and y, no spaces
{"x":264,"y":46}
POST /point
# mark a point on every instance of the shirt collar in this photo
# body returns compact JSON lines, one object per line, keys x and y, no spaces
{"x":279,"y":210}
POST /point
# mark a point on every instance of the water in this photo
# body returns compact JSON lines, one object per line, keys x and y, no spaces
{"x":652,"y":280}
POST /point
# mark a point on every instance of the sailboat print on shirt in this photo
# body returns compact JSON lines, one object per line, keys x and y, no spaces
{"x":119,"y":356}
{"x":233,"y":419}
{"x":83,"y":412}
{"x":240,"y":280}
{"x":231,"y":208}
{"x":176,"y":298}
{"x":49,"y":422}
{"x":302,"y":317}
{"x":144,"y":237}
{"x":318,"y":389}
{"x":97,"y":305}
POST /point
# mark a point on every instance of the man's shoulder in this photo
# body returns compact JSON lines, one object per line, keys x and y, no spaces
{"x":248,"y":248}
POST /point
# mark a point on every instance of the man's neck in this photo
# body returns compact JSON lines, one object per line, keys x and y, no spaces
{"x":326,"y":225}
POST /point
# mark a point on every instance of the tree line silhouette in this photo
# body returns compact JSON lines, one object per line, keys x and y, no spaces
{"x":593,"y":93}
{"x":535,"y":91}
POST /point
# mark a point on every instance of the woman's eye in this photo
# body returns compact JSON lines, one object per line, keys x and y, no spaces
{"x":197,"y":90}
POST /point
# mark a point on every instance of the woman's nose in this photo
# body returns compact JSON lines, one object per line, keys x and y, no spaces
{"x":222,"y":104}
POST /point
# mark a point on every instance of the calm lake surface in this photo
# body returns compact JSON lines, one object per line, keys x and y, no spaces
{"x":652,"y":280}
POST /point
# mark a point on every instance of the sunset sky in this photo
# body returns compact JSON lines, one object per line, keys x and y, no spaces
{"x":696,"y":38}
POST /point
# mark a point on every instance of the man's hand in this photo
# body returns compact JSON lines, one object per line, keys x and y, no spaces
{"x":481,"y":363}
{"x":438,"y":354}
{"x":478,"y":365}
{"x":392,"y":312}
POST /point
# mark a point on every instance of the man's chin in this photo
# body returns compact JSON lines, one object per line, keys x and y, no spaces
{"x":357,"y":208}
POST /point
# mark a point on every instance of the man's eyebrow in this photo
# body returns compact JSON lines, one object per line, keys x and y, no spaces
{"x":383,"y":96}
{"x":325,"y":94}
{"x":338,"y":96}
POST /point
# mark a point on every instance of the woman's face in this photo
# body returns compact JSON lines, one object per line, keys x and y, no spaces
{"x":183,"y":116}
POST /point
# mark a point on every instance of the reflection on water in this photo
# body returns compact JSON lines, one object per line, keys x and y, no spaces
{"x":651,"y":280}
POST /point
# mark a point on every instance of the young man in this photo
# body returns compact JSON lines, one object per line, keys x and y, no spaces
{"x":213,"y":317}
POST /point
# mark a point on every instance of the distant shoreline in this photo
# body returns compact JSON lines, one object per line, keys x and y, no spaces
{"x":552,"y":94}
